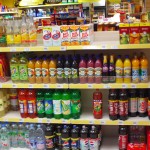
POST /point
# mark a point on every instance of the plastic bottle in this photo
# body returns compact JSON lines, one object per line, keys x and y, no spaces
{"x":23,"y":103}
{"x":144,"y":69}
{"x":14,"y":135}
{"x":75,"y":104}
{"x":123,"y":105}
{"x":123,"y":138}
{"x":48,"y":101}
{"x":75,"y":141}
{"x":148,"y":139}
{"x":27,"y":141}
{"x":112,"y":75}
{"x":23,"y":69}
{"x":142,"y":103}
{"x":105,"y":70}
{"x":90,"y":70}
{"x":58,"y":136}
{"x":60,"y":70}
{"x":21,"y":135}
{"x":98,"y":70}
{"x":97,"y":104}
{"x":53,"y":70}
{"x":45,"y":70}
{"x":119,"y":70}
{"x":31,"y":70}
{"x":135,"y":69}
{"x":57,"y":108}
{"x":67,"y":70}
{"x":14,"y":68}
{"x":133,"y":103}
{"x":38,"y":70}
{"x":83,"y":71}
{"x":2,"y":108}
{"x":113,"y":105}
{"x":127,"y":70}
{"x":40,"y":104}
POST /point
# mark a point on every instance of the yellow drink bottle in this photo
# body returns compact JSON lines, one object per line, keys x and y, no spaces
{"x":127,"y":70}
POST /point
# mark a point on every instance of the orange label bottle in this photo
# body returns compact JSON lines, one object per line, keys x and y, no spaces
{"x":127,"y":70}
{"x":31,"y":71}
{"x":38,"y":70}
{"x":45,"y":72}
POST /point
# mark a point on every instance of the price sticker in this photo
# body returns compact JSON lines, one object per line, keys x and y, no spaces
{"x":48,"y":121}
{"x":103,"y":122}
{"x":135,"y":123}
{"x":13,"y":49}
{"x":30,"y":85}
{"x":124,"y":86}
{"x":0,"y":85}
{"x":26,"y":49}
{"x":91,"y":122}
{"x":121,"y":123}
{"x":90,"y":86}
{"x":64,"y":121}
{"x":107,"y":86}
{"x":63,"y":48}
{"x":59,"y":86}
{"x":46,"y":86}
{"x":21,"y":120}
{"x":40,"y":120}
{"x":14,"y":86}
{"x":133,"y":85}
{"x":45,"y":48}
{"x":103,"y":46}
{"x":5,"y":120}
{"x":114,"y":47}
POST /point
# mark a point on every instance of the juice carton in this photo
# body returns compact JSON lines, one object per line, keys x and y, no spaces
{"x":134,"y":33}
{"x":144,"y":33}
{"x":74,"y":35}
{"x":124,"y":33}
{"x":65,"y":35}
{"x":47,"y":36}
{"x":86,"y":34}
{"x":56,"y":39}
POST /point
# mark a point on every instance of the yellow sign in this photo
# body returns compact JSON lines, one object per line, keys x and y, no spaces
{"x":88,"y":1}
{"x":114,"y":1}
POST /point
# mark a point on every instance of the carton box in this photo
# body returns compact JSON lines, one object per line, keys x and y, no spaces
{"x":124,"y":33}
{"x":134,"y":33}
{"x":47,"y":36}
{"x":56,"y":38}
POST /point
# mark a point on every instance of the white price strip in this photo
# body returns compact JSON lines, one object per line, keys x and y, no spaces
{"x":30,"y":85}
{"x":21,"y":120}
{"x":135,"y":123}
{"x":46,"y":86}
{"x":59,"y":86}
{"x":103,"y":122}
{"x":133,"y":85}
{"x":63,"y":48}
{"x":90,"y":86}
{"x":40,"y":120}
{"x":121,"y":123}
{"x":26,"y":49}
{"x":45,"y":48}
{"x":5,"y":119}
{"x":14,"y":86}
{"x":124,"y":86}
{"x":13,"y":49}
{"x":91,"y":122}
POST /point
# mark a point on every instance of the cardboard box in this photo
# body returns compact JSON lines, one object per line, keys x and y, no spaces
{"x":47,"y":36}
{"x":56,"y":38}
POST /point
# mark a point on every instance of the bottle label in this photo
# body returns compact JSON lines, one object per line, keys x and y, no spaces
{"x":90,"y":71}
{"x":113,"y":107}
{"x":97,"y":106}
{"x":82,"y":72}
{"x":23,"y":106}
{"x":14,"y":72}
{"x":123,"y":107}
{"x":44,"y":72}
{"x":48,"y":106}
{"x":33,"y":36}
{"x":66,"y":107}
{"x":144,"y":75}
{"x":52,"y":72}
{"x":135,"y":75}
{"x":123,"y":141}
{"x":98,"y":71}
{"x":17,"y":38}
{"x":133,"y":105}
{"x":40,"y":107}
{"x":66,"y":143}
{"x":23,"y":71}
{"x":60,"y":72}
{"x":38,"y":72}
{"x":49,"y":141}
{"x":31,"y":107}
{"x":67,"y":72}
{"x":148,"y":107}
{"x":57,"y":107}
{"x":31,"y":72}
{"x":142,"y":105}
{"x":127,"y":72}
{"x":94,"y":144}
{"x":24,"y":37}
{"x":84,"y":144}
{"x":105,"y":68}
{"x":74,"y":73}
{"x":3,"y":39}
{"x":75,"y":143}
{"x":10,"y":39}
{"x":1,"y":105}
{"x":40,"y":145}
{"x":75,"y":106}
{"x":119,"y":72}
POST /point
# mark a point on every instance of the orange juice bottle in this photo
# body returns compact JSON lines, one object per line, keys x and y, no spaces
{"x":38,"y":70}
{"x":135,"y":69}
{"x":31,"y":70}
{"x":119,"y":70}
{"x":144,"y":69}
{"x":52,"y":70}
{"x":127,"y":70}
{"x":45,"y":72}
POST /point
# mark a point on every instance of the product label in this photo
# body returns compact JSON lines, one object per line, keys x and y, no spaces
{"x":135,"y":75}
{"x":1,"y":105}
{"x":40,"y":107}
{"x":60,"y":72}
{"x":23,"y":71}
{"x":23,"y":106}
{"x":98,"y":71}
{"x":14,"y":102}
{"x":123,"y":107}
{"x":32,"y":36}
{"x":66,"y":107}
{"x":113,"y":107}
{"x":49,"y":141}
{"x":133,"y":105}
{"x":57,"y":107}
{"x":40,"y":145}
{"x":105,"y":68}
{"x":44,"y":72}
{"x":74,"y":73}
{"x":144,"y":75}
{"x":84,"y":144}
{"x":148,"y":107}
{"x":52,"y":72}
{"x":66,"y":143}
{"x":90,"y":71}
{"x":67,"y":72}
{"x":48,"y":106}
{"x":24,"y":37}
{"x":75,"y":106}
{"x":75,"y":143}
{"x":94,"y":144}
{"x":3,"y":39}
{"x":82,"y":72}
{"x":123,"y":141}
{"x":31,"y":72}
{"x":14,"y":72}
{"x":127,"y":72}
{"x":38,"y":72}
{"x":10,"y":39}
{"x":142,"y":105}
{"x":17,"y":38}
{"x":119,"y":72}
{"x":97,"y":106}
{"x":31,"y":106}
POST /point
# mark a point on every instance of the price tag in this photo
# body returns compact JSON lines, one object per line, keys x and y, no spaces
{"x":30,"y":85}
{"x":85,"y":47}
{"x":5,"y":120}
{"x":103,"y":46}
{"x":21,"y":120}
{"x":90,"y":86}
{"x":59,"y":86}
{"x":26,"y":49}
{"x":63,"y":48}
{"x":64,"y":121}
{"x":46,"y":86}
{"x":45,"y":48}
{"x":121,"y":123}
{"x":135,"y":123}
{"x":40,"y":120}
{"x":0,"y":85}
{"x":48,"y":121}
{"x":13,"y":49}
{"x":114,"y":47}
{"x":91,"y":122}
{"x":124,"y":86}
{"x":14,"y":86}
{"x":107,"y":86}
{"x":103,"y":122}
{"x":133,"y":85}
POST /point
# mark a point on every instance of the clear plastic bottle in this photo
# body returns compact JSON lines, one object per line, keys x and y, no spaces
{"x":27,"y":142}
{"x":21,"y":135}
{"x":14,"y":135}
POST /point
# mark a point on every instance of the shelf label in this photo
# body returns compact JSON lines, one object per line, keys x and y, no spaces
{"x":91,"y":122}
{"x":46,"y":86}
{"x":40,"y":120}
{"x":48,"y":121}
{"x":13,"y":49}
{"x":124,"y":86}
{"x":114,"y":47}
{"x":102,"y":122}
{"x":135,"y":123}
{"x":133,"y":85}
{"x":107,"y":86}
{"x":30,"y":86}
{"x":5,"y":119}
{"x":64,"y":121}
{"x":63,"y":48}
{"x":45,"y":48}
{"x":90,"y":86}
{"x":0,"y":85}
{"x":104,"y":47}
{"x":14,"y":86}
{"x":26,"y":49}
{"x":21,"y":120}
{"x":121,"y":122}
{"x":59,"y":86}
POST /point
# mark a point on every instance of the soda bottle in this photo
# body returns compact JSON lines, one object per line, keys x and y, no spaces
{"x":40,"y":104}
{"x":149,"y":104}
{"x":142,"y":103}
{"x":21,"y":135}
{"x":75,"y":141}
{"x":27,"y":142}
{"x":83,"y":70}
{"x":119,"y":70}
{"x":23,"y":103}
{"x":66,"y":104}
{"x":38,"y":70}
{"x":112,"y":76}
{"x":58,"y":136}
{"x":98,"y":70}
{"x":105,"y":69}
{"x":133,"y":103}
{"x":14,"y":135}
{"x":67,"y":70}
{"x":123,"y":105}
{"x":144,"y":69}
{"x":90,"y":70}
{"x":45,"y":70}
{"x":127,"y":70}
{"x":65,"y":138}
{"x":49,"y":137}
{"x":113,"y":104}
{"x":57,"y":107}
{"x":123,"y":138}
{"x":93,"y":141}
{"x":97,"y":104}
{"x":48,"y":101}
{"x":31,"y":101}
{"x":135,"y":69}
{"x":60,"y":71}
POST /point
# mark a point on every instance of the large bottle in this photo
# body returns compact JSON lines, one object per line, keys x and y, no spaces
{"x":45,"y":70}
{"x":105,"y":70}
{"x":14,"y":135}
{"x":127,"y":70}
{"x":38,"y":70}
{"x":2,"y":103}
{"x":90,"y":70}
{"x":21,"y":135}
{"x":58,"y":136}
{"x":32,"y":137}
{"x":112,"y":75}
{"x":67,"y":70}
{"x":119,"y":70}
{"x":27,"y":141}
{"x":60,"y":70}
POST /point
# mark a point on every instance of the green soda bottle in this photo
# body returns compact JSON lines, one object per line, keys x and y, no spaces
{"x":75,"y":104}
{"x":57,"y":108}
{"x":40,"y":104}
{"x":48,"y":99}
{"x":66,"y":104}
